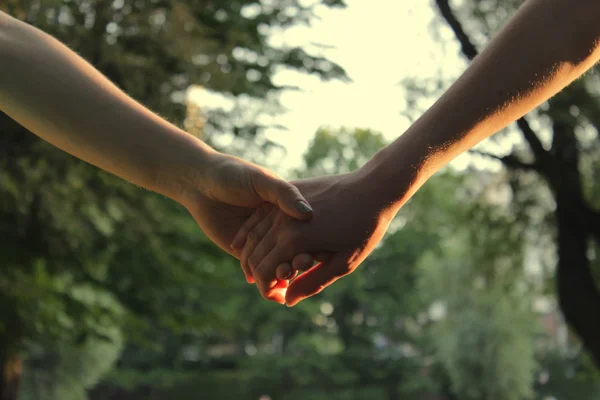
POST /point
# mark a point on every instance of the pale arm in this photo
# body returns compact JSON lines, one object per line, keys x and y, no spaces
{"x":57,"y":95}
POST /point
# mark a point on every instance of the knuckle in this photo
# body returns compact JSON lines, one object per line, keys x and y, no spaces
{"x":262,"y":211}
{"x":252,"y":261}
{"x":242,"y":233}
{"x":252,"y":236}
{"x":259,"y":213}
{"x":285,"y":187}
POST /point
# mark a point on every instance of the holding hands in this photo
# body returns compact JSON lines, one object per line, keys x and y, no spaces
{"x":353,"y":211}
{"x":348,"y":222}
{"x":95,"y":121}
{"x":228,"y":191}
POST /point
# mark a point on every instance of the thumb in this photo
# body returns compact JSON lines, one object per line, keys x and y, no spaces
{"x":285,"y":195}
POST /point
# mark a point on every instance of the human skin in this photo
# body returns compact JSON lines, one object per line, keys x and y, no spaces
{"x":543,"y":48}
{"x":58,"y":96}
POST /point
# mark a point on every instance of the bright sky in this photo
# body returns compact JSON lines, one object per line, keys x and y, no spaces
{"x":379,"y":43}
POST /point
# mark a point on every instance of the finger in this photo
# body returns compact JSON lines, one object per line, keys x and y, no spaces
{"x":278,"y":290}
{"x":303,"y":262}
{"x":285,"y":271}
{"x":277,"y":295}
{"x":285,"y":195}
{"x":268,"y":243}
{"x":254,"y":237}
{"x":240,"y":237}
{"x":318,"y":278}
{"x":251,"y":241}
{"x":265,"y":271}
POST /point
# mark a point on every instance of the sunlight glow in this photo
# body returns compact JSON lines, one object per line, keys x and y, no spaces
{"x":379,"y":47}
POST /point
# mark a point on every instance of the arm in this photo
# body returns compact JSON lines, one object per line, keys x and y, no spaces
{"x":57,"y":95}
{"x":547,"y":45}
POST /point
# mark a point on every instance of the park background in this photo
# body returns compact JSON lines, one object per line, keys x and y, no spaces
{"x":484,"y":288}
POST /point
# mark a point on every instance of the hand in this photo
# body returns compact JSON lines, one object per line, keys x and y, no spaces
{"x":348,"y":222}
{"x":229,"y":191}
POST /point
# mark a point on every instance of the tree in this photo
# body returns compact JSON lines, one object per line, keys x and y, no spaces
{"x":66,"y":372}
{"x":566,"y":164}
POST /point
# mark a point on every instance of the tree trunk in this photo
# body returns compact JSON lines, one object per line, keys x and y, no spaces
{"x":577,"y":293}
{"x":10,"y":377}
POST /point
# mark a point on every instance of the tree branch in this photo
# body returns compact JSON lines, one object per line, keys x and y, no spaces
{"x":510,"y":161}
{"x":468,"y":48}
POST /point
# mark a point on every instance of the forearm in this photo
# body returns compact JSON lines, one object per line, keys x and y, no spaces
{"x":57,"y":95}
{"x":547,"y":45}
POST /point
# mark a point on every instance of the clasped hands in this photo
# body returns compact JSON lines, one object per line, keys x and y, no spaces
{"x":350,"y":217}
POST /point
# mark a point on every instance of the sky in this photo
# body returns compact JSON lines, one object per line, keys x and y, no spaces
{"x":379,"y":43}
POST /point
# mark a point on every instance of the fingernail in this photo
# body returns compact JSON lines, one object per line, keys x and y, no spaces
{"x":303,"y":208}
{"x":287,"y":274}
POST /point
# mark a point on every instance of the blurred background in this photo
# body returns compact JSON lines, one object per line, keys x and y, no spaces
{"x":484,"y":288}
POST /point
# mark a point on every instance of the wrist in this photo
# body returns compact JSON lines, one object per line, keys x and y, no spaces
{"x":184,"y":169}
{"x":395,"y":173}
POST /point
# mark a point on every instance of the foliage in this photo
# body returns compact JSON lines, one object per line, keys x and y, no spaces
{"x":567,"y":375}
{"x":68,"y":371}
{"x":340,"y":151}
